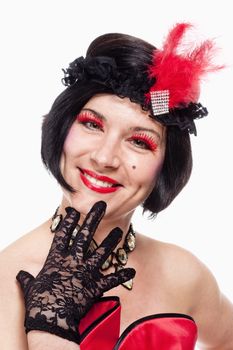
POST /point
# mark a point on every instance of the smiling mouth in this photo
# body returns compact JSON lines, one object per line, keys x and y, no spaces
{"x":101,"y":184}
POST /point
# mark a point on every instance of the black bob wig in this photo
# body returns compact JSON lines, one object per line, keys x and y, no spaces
{"x":129,"y":53}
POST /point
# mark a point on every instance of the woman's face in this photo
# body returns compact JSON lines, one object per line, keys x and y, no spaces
{"x":113,"y":152}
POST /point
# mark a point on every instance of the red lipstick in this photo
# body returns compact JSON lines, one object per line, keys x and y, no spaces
{"x":97,"y":187}
{"x":100,"y":177}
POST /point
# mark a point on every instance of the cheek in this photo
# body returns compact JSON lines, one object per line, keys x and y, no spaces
{"x":77,"y":142}
{"x":74,"y":146}
{"x":62,"y":163}
{"x":69,"y":149}
{"x":70,"y":141}
{"x":146,"y":167}
{"x":147,"y":171}
{"x":152,"y":173}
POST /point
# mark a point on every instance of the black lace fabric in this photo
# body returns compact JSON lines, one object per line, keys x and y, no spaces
{"x":103,"y":70}
{"x":68,"y":284}
{"x":184,"y":117}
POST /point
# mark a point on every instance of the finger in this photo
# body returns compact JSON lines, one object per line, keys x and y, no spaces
{"x":99,"y":256}
{"x":88,"y":228}
{"x":114,"y":279}
{"x":24,"y":278}
{"x":62,"y":237}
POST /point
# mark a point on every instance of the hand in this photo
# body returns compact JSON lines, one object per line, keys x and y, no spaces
{"x":68,"y":284}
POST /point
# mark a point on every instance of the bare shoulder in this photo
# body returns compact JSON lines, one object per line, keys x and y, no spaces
{"x":179,"y":271}
{"x":177,"y":263}
{"x":190,"y":280}
{"x":27,"y":253}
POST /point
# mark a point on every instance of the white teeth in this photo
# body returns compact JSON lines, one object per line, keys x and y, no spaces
{"x":97,"y":182}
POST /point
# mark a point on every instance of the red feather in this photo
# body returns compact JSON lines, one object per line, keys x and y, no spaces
{"x":181,"y":73}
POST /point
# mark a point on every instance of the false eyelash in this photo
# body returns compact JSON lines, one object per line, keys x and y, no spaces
{"x":147,"y":139}
{"x":89,"y":117}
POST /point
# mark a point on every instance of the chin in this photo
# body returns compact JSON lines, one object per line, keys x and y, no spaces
{"x":81,"y":202}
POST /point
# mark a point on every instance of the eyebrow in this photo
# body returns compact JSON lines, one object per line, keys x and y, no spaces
{"x":97,"y":114}
{"x":136,"y":128}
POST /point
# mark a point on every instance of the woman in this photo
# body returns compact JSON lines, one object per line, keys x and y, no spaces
{"x":116,"y":138}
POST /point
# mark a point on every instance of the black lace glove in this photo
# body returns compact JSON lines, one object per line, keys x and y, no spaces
{"x":68,"y":284}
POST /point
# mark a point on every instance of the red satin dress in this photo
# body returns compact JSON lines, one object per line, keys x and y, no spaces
{"x":100,"y":330}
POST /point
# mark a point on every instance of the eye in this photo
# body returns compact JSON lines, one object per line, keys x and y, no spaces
{"x":144,"y":142}
{"x":91,"y":125}
{"x":90,"y":121}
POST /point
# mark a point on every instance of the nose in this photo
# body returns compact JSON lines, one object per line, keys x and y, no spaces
{"x":106,"y":154}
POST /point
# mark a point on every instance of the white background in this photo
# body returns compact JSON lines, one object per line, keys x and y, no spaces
{"x":38,"y":38}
